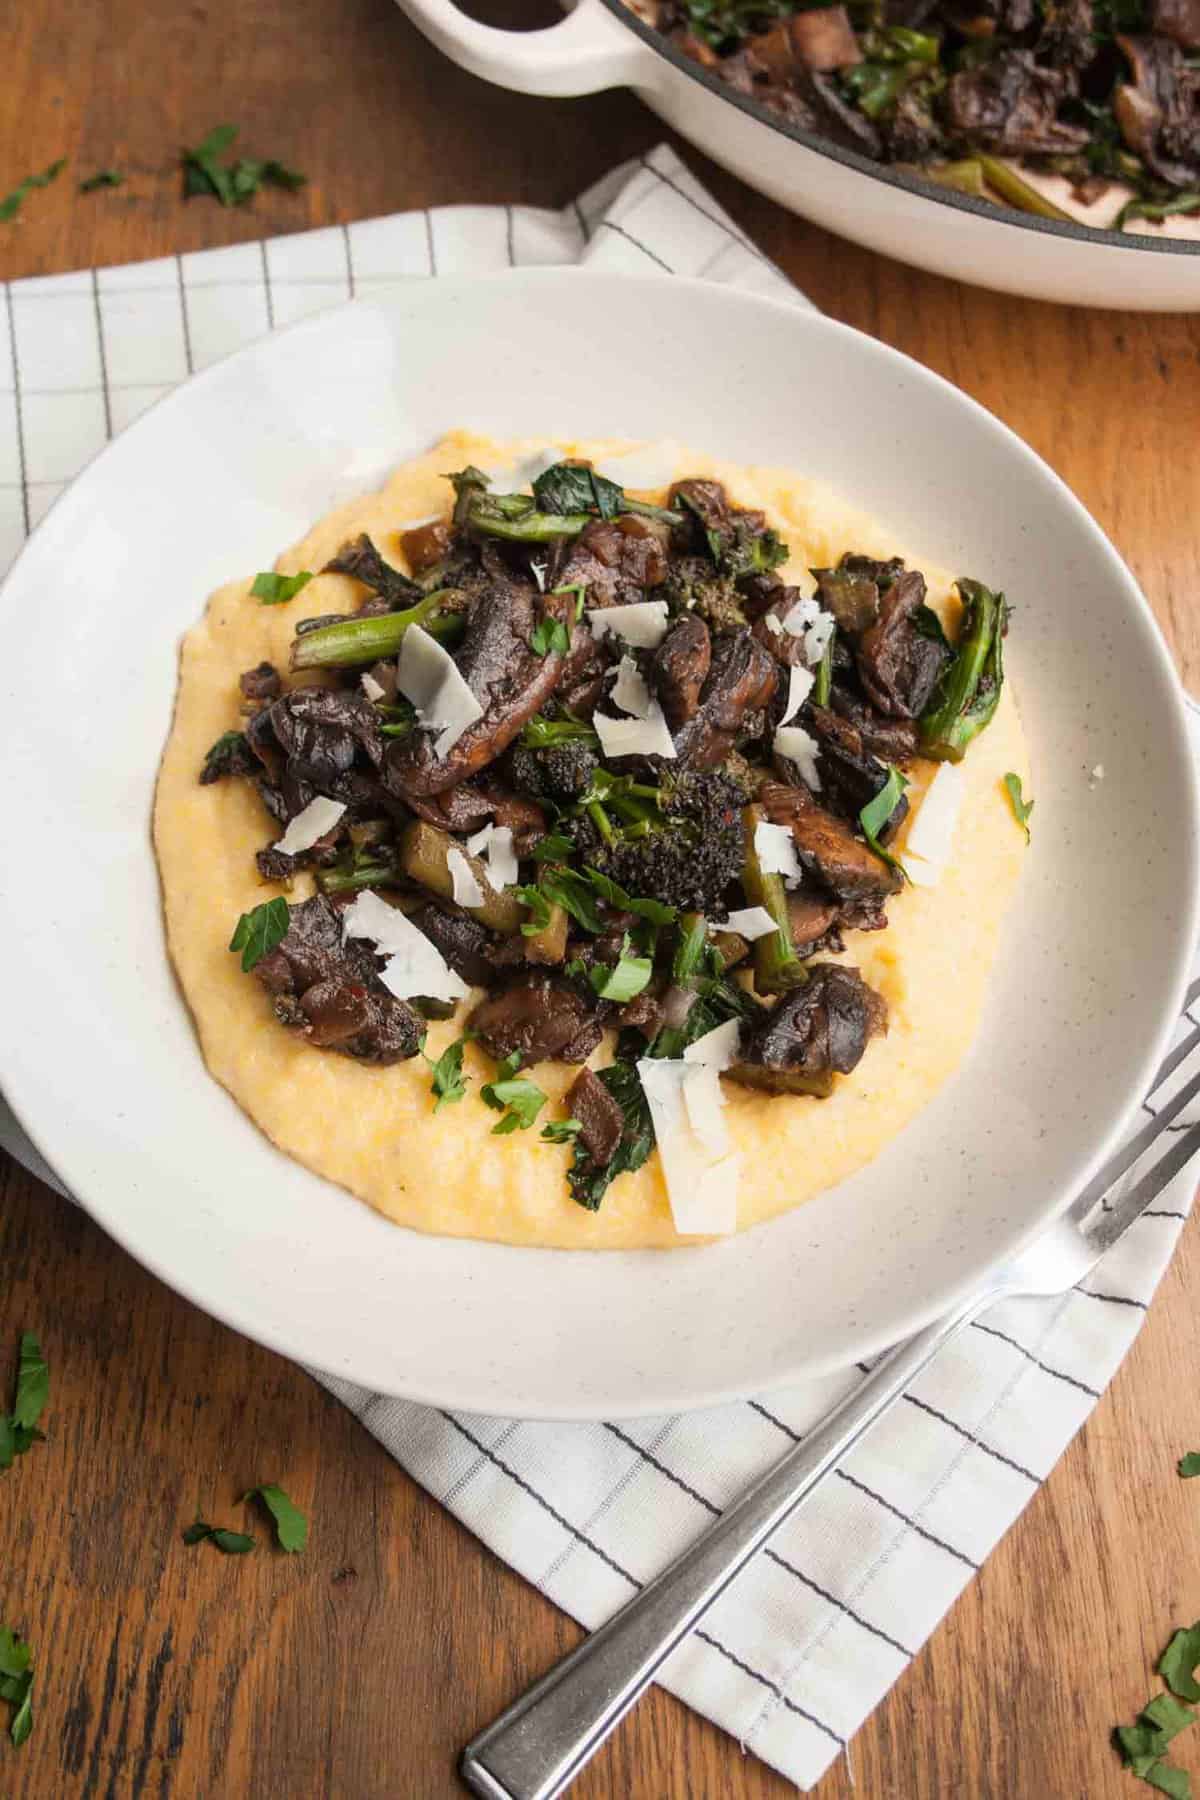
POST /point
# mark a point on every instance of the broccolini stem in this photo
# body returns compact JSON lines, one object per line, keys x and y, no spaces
{"x":601,"y":821}
{"x":824,"y":675}
{"x":1009,"y":185}
{"x":354,"y":642}
{"x":689,"y":948}
{"x":776,"y":965}
{"x":349,"y":881}
{"x":485,"y":516}
{"x":968,"y":693}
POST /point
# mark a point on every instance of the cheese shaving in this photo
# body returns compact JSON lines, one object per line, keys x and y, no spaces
{"x":776,"y":851}
{"x":467,"y":891}
{"x":644,"y":624}
{"x":800,"y":686}
{"x":635,"y":737}
{"x":414,"y":966}
{"x":931,"y":834}
{"x":704,"y":1104}
{"x":772,"y":624}
{"x":701,"y":1184}
{"x":817,"y":636}
{"x":495,"y":844}
{"x":429,"y":677}
{"x":719,"y":1047}
{"x":750,"y":922}
{"x":318,"y":817}
{"x":631,"y":691}
{"x":371,"y":688}
{"x":799,"y":746}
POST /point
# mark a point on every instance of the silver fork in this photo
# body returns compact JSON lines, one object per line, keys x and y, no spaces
{"x":542,"y":1742}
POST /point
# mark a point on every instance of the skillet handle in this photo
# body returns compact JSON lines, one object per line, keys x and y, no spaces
{"x":588,"y":51}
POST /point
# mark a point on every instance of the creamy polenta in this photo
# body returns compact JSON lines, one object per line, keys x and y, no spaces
{"x":373,"y":1129}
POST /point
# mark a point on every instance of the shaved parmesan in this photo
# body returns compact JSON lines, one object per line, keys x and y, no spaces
{"x":751,"y":922}
{"x":630,"y":690}
{"x":800,"y":686}
{"x":931,"y":834}
{"x":635,"y":737}
{"x":817,"y":636}
{"x":644,"y":624}
{"x":414,"y":966}
{"x":704,"y":1104}
{"x":772,"y":624}
{"x":495,"y":844}
{"x":802,"y":615}
{"x":920,"y":872}
{"x":800,"y":747}
{"x":429,"y":677}
{"x":647,"y":468}
{"x":776,"y":852}
{"x":718,"y":1047}
{"x":318,"y":817}
{"x":467,"y":891}
{"x":701,"y":1184}
{"x":371,"y":688}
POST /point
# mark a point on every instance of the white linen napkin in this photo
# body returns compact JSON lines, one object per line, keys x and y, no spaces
{"x":793,"y":1659}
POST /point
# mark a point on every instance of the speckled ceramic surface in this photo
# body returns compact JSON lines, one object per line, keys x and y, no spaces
{"x":98,"y":1056}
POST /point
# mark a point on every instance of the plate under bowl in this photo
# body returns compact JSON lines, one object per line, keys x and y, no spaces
{"x":98,"y":1055}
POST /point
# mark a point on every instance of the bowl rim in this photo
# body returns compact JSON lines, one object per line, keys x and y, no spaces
{"x":990,"y":210}
{"x":60,"y":1155}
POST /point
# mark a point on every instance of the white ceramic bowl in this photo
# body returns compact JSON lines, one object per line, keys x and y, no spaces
{"x":602,"y":45}
{"x":98,"y":1055}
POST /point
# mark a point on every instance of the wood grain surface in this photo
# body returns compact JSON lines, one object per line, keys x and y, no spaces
{"x":358,"y":1669}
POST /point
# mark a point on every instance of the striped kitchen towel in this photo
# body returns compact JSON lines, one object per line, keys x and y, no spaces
{"x":792,"y":1660}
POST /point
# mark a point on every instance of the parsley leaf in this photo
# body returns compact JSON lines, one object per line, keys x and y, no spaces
{"x":16,"y":1683}
{"x":1021,"y":807}
{"x":550,"y":634}
{"x":540,"y":733}
{"x":1178,"y":1660}
{"x":554,"y":847}
{"x":103,"y":178}
{"x":654,"y":910}
{"x":589,"y":1182}
{"x":230,"y":1543}
{"x":523,"y":1099}
{"x":1168,"y":1780}
{"x":1189,"y":1465}
{"x":291,"y":1525}
{"x":11,"y":204}
{"x":625,"y":978}
{"x":33,"y":1383}
{"x":562,"y":1131}
{"x":579,"y":589}
{"x":539,"y":907}
{"x":231,"y":183}
{"x":258,"y":932}
{"x":876,"y":813}
{"x":448,"y":1084}
{"x":574,"y":892}
{"x":274,"y":590}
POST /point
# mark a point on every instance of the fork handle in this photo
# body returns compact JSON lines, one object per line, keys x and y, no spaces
{"x":541,"y":1743}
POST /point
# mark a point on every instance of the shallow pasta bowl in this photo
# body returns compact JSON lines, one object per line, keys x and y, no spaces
{"x":97,"y":1052}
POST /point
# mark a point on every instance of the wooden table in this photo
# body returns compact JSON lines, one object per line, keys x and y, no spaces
{"x":358,"y":1669}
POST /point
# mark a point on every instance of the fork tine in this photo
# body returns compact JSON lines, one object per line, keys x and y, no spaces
{"x":1104,"y":1230}
{"x":1123,"y":1159}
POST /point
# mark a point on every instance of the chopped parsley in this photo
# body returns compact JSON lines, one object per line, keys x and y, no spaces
{"x":260,"y":930}
{"x":554,"y":847}
{"x":540,"y":733}
{"x":876,"y":813}
{"x":103,"y":178}
{"x":519,"y":1100}
{"x":1021,"y":807}
{"x":653,"y":910}
{"x":539,"y":907}
{"x":579,"y":589}
{"x":589,"y":1181}
{"x":448,"y":1085}
{"x":230,"y":749}
{"x":1178,"y":1660}
{"x":1189,"y":1465}
{"x":16,"y":1683}
{"x":625,"y":978}
{"x":291,"y":1525}
{"x":229,"y":1543}
{"x":12,"y":202}
{"x":231,"y":183}
{"x":274,"y":590}
{"x":550,"y":634}
{"x":562,"y":1131}
{"x":19,"y":1429}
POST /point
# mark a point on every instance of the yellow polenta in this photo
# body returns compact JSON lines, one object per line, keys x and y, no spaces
{"x":374,"y":1130}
